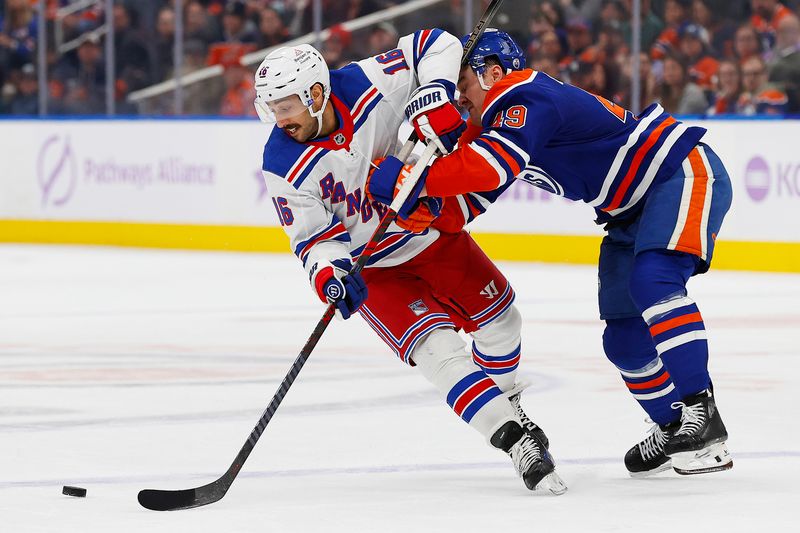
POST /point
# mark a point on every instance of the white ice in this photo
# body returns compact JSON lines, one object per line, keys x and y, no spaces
{"x":129,"y":369}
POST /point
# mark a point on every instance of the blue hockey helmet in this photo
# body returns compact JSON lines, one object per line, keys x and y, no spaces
{"x":498,"y":44}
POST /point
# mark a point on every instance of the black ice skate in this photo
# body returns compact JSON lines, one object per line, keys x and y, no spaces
{"x":698,"y":446}
{"x":533,"y":462}
{"x":648,"y":457}
{"x":515,"y":395}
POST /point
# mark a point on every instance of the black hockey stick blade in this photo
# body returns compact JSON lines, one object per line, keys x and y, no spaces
{"x":173,"y":500}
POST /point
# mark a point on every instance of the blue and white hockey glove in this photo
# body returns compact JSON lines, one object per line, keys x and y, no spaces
{"x":335,"y":285}
{"x":384,"y":182}
{"x":434,"y":117}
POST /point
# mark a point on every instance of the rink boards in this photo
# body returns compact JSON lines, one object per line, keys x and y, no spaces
{"x":196,"y":184}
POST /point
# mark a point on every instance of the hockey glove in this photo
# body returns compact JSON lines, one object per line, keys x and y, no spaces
{"x":384,"y":182}
{"x":433,"y":116}
{"x":423,"y":216}
{"x":335,"y":285}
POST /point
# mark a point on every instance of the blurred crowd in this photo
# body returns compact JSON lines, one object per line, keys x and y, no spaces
{"x":698,"y":57}
{"x":715,"y":57}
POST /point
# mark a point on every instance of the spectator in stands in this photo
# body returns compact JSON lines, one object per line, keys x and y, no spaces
{"x":677,"y":94}
{"x":336,"y":48}
{"x":613,"y":12}
{"x":239,"y":91}
{"x":25,"y":100}
{"x":579,"y":41}
{"x":651,"y":25}
{"x":758,"y":96}
{"x":553,"y":12}
{"x":746,"y":43}
{"x":611,"y":46}
{"x":132,"y":59}
{"x":694,"y":46}
{"x":84,"y":84}
{"x":164,"y":43}
{"x":199,"y":26}
{"x":17,"y":34}
{"x":721,"y":30}
{"x":550,"y":48}
{"x":336,"y":11}
{"x":382,"y":37}
{"x":648,"y":84}
{"x":235,"y":26}
{"x":785,"y":65}
{"x":676,"y":14}
{"x":602,"y":79}
{"x":548,"y":66}
{"x":766,"y":16}
{"x":271,"y":29}
{"x":729,"y":89}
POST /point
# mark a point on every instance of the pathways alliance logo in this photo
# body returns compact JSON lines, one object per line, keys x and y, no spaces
{"x":57,"y":171}
{"x":757,"y":179}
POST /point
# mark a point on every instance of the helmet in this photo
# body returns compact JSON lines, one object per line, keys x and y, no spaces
{"x":288,"y":72}
{"x":498,"y":44}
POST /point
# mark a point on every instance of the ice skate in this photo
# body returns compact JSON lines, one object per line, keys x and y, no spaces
{"x":698,"y":446}
{"x":533,"y":462}
{"x":514,"y":396}
{"x":648,"y":457}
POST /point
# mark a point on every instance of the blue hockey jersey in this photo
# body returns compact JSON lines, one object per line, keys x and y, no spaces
{"x":569,"y":142}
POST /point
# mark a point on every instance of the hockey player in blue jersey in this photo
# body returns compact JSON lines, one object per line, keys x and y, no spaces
{"x":662,"y":194}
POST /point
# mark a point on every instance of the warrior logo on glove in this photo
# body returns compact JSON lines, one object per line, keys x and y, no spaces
{"x":434,"y":117}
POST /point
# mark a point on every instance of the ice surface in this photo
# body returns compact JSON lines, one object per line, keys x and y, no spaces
{"x":129,"y":369}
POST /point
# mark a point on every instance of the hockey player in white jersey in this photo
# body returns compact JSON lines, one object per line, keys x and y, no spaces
{"x":417,"y":288}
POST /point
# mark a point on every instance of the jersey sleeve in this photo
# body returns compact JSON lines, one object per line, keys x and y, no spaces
{"x":435,"y":56}
{"x":516,"y":124}
{"x":462,"y":209}
{"x":314,"y":232}
{"x":422,"y":57}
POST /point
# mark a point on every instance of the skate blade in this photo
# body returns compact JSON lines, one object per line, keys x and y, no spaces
{"x":553,"y":483}
{"x":663,"y":468}
{"x":714,"y":458}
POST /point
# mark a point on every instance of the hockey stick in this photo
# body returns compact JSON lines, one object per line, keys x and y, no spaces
{"x":171,"y":500}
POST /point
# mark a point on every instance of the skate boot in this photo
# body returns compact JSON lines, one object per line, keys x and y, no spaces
{"x":533,"y":462}
{"x":698,"y":446}
{"x":647,"y":457}
{"x":514,"y":396}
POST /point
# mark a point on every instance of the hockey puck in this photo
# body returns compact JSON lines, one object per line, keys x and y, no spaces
{"x":78,"y":492}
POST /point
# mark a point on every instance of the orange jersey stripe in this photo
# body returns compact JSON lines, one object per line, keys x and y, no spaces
{"x":690,"y":241}
{"x":636,"y":162}
{"x":500,"y":149}
{"x":649,"y":384}
{"x":675,"y":322}
{"x":461,"y":172}
{"x":509,"y":80}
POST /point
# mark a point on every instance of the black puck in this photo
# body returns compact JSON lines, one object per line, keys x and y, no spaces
{"x":78,"y":492}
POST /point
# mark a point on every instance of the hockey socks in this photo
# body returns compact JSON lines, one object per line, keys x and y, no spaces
{"x":658,"y":288}
{"x":471,"y":394}
{"x":629,"y":345}
{"x":496,"y":348}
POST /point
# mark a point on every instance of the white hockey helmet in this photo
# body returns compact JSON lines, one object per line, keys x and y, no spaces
{"x":283,"y":83}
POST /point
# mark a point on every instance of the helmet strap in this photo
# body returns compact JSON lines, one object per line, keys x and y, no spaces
{"x":480,"y":80}
{"x":318,"y":114}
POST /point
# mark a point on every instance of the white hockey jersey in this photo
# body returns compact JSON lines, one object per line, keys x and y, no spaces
{"x":319,"y":187}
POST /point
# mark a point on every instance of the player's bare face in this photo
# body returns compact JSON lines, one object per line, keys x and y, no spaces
{"x":301,"y":127}
{"x":472,"y":95}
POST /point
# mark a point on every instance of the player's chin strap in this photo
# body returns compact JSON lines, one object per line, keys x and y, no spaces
{"x":318,"y":114}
